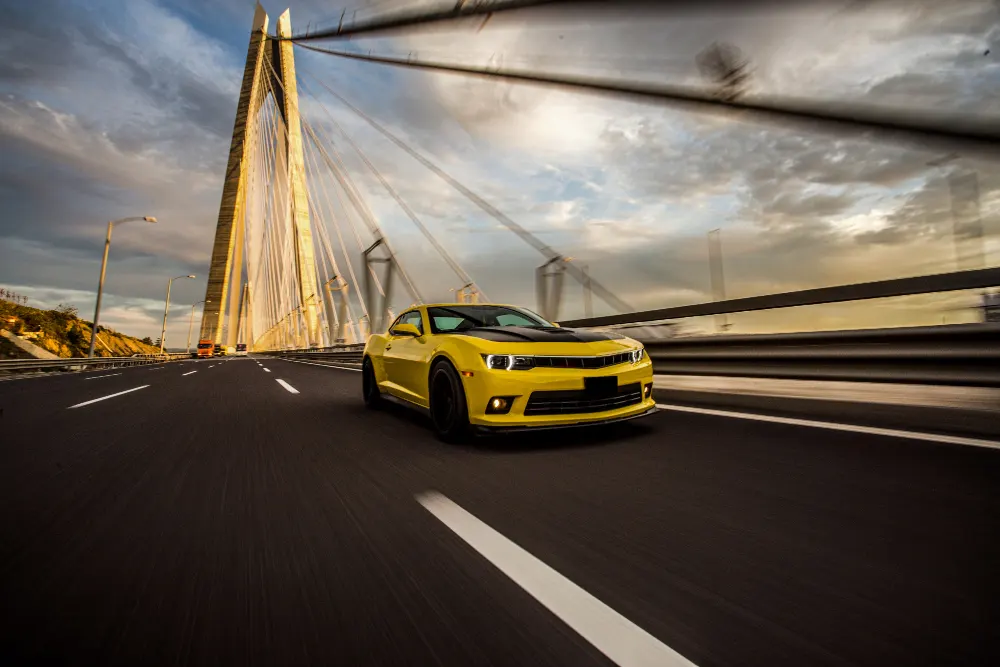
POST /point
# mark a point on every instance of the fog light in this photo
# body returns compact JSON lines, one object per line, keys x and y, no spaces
{"x":499,"y":405}
{"x":647,"y":391}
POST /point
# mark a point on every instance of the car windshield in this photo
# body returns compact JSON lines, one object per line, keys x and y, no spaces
{"x":446,"y":319}
{"x":204,"y":346}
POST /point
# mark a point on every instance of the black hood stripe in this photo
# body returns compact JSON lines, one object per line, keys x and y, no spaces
{"x":540,"y":335}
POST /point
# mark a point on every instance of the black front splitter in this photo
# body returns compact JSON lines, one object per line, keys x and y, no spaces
{"x":503,"y":430}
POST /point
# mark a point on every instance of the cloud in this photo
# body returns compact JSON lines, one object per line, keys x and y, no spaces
{"x":129,"y":315}
{"x":129,"y":111}
{"x":104,"y":116}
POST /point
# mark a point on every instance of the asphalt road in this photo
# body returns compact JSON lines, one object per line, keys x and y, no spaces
{"x":217,"y":518}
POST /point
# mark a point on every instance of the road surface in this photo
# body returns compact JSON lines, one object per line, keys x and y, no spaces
{"x":252,"y":512}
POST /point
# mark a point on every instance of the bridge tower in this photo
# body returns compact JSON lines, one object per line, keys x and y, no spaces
{"x":273,"y":59}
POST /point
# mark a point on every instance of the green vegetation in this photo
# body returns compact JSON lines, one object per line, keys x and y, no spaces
{"x":62,"y":332}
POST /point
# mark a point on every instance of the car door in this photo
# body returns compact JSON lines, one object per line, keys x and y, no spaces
{"x":385,"y":361}
{"x":404,"y":359}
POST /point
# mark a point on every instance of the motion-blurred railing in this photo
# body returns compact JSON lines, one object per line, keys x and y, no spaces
{"x":72,"y":364}
{"x":962,"y":354}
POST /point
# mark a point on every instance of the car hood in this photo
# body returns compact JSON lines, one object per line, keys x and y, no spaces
{"x":550,"y":340}
{"x":540,"y":335}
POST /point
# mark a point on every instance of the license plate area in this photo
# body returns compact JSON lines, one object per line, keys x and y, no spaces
{"x":601,"y":387}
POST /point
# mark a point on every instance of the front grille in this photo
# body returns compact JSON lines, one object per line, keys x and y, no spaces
{"x":578,"y":402}
{"x":583,"y":362}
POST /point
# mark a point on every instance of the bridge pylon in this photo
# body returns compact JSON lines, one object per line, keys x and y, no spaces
{"x":549,"y":278}
{"x":268,"y":62}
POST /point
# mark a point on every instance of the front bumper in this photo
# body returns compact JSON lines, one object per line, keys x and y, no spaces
{"x":501,"y":430}
{"x":484,"y":384}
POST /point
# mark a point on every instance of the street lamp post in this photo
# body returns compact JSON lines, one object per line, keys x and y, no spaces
{"x":166,"y":309}
{"x":104,"y":266}
{"x":191,"y":323}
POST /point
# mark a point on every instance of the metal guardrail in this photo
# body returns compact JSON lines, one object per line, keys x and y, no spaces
{"x":882,"y":289}
{"x":963,"y":354}
{"x":11,"y":366}
{"x":345,"y":354}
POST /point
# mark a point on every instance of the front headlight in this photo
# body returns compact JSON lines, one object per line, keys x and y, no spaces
{"x":508,"y":362}
{"x":637,"y":355}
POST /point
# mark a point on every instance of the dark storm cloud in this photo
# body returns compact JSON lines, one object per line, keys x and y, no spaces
{"x":928,"y":213}
{"x":33,"y":47}
{"x":119,"y":131}
{"x":195,"y":104}
{"x":774,"y":168}
{"x":156,"y":140}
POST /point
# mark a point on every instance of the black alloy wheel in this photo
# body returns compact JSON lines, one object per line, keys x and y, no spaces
{"x":449,"y":412}
{"x":369,"y":386}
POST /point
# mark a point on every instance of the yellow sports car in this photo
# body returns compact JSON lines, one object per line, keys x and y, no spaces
{"x":481,"y":368}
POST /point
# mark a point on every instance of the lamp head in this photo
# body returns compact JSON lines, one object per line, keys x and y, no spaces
{"x":149,"y":218}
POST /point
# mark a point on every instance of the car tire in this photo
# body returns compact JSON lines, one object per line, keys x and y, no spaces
{"x":369,"y":385}
{"x":449,"y":412}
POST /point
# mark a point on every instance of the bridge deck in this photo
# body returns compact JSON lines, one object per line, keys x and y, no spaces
{"x":215,"y":517}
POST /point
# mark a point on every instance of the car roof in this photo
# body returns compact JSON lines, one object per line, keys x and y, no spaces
{"x":451,"y":305}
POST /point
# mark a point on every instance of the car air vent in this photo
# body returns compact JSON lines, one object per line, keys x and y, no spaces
{"x":582,"y":362}
{"x":579,"y":402}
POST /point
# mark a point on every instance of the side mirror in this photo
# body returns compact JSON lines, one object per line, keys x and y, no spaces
{"x":405,"y":329}
{"x":555,"y":324}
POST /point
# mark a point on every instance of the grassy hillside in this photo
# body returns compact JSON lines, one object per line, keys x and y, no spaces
{"x":62,"y":332}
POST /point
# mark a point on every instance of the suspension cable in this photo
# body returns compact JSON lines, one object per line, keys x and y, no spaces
{"x":373,"y":222}
{"x":356,"y":199}
{"x":452,"y":262}
{"x":912,"y":126}
{"x":548,"y":252}
{"x":249,"y":227}
{"x":311,"y":201}
{"x":325,"y":237}
{"x":399,"y":20}
{"x":339,"y":172}
{"x":340,"y":240}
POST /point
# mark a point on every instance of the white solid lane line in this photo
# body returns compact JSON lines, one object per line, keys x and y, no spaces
{"x":98,"y":377}
{"x":289,"y":387}
{"x":104,"y":398}
{"x":941,"y":396}
{"x":870,"y":430}
{"x":313,"y":363}
{"x":612,"y":634}
{"x":188,"y":373}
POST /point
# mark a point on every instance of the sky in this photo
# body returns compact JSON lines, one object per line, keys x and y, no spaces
{"x":115,"y":108}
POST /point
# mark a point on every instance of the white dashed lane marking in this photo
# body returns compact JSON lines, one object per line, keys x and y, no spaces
{"x":834,"y":426}
{"x":621,"y":640}
{"x":104,"y":398}
{"x":288,"y":387}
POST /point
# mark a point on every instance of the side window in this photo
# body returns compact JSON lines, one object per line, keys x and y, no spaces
{"x":446,"y":323}
{"x":413,"y":317}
